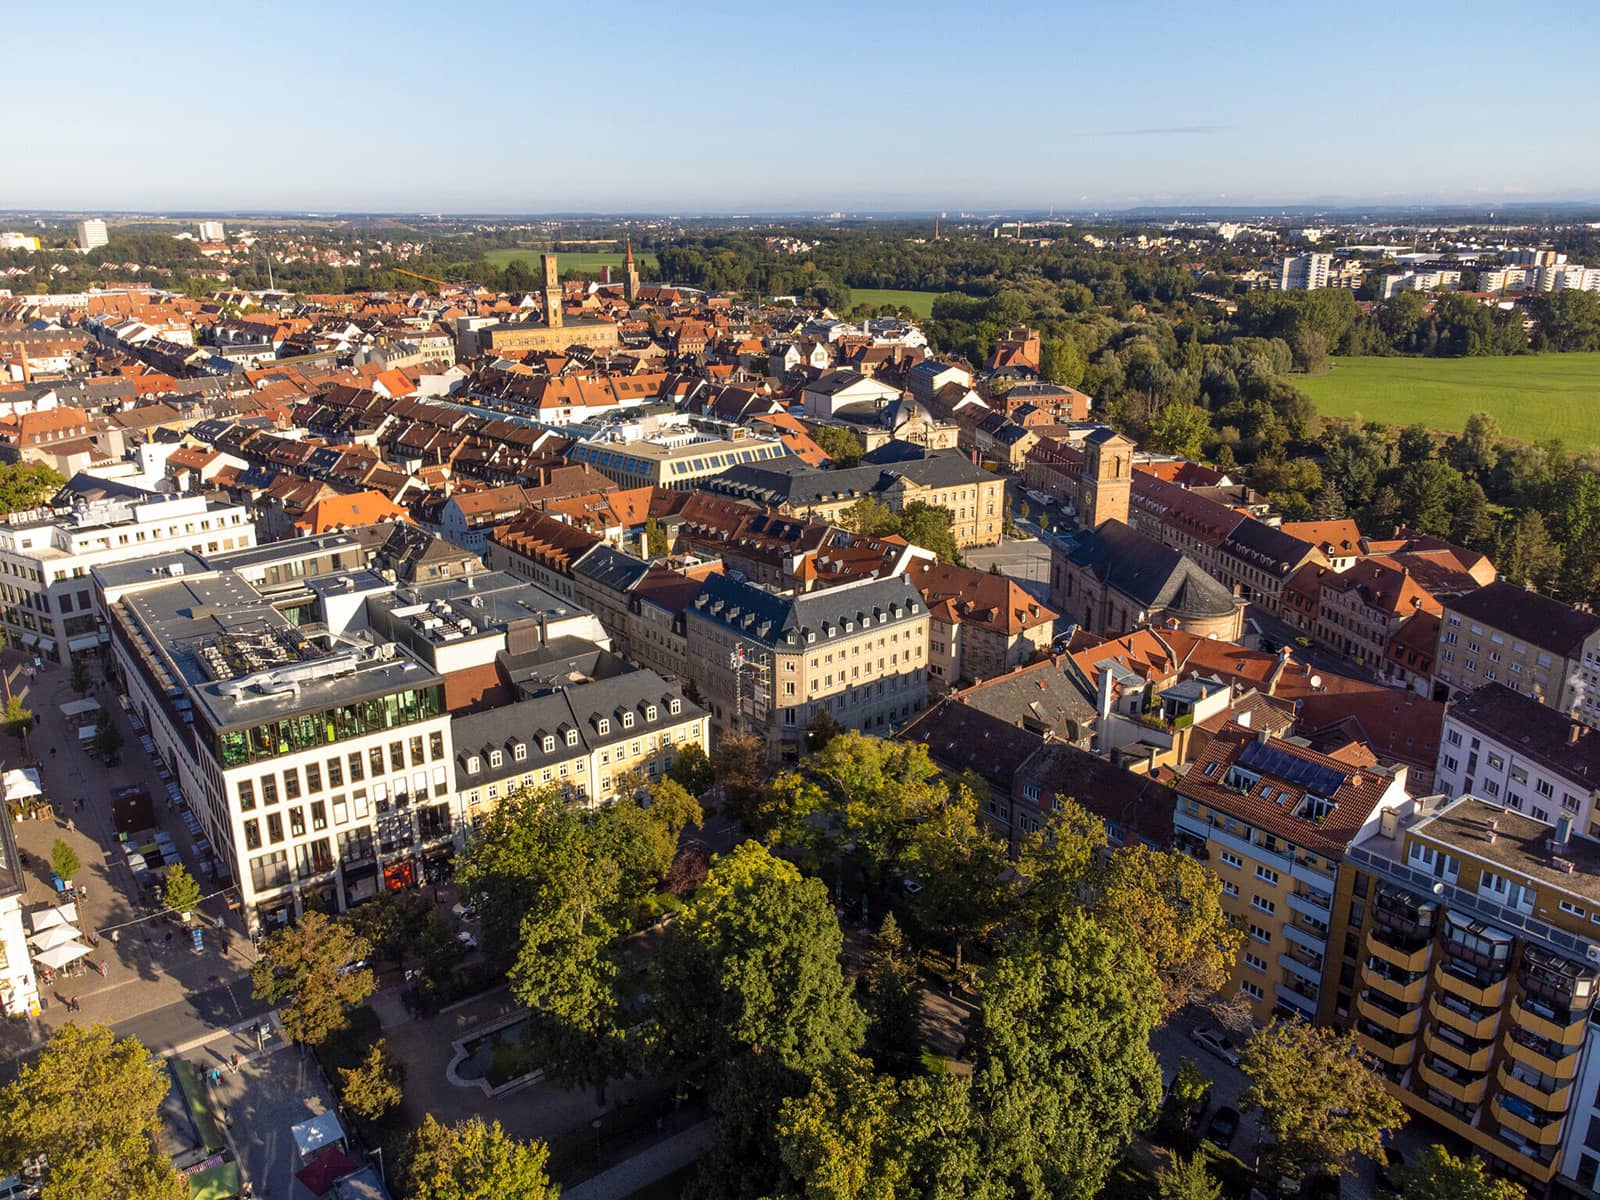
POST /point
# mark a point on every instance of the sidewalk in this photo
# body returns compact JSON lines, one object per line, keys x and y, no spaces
{"x":646,"y":1167}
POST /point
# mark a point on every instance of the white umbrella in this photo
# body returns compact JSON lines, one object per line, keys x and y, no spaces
{"x":61,"y":955}
{"x":56,"y":935}
{"x":47,"y":918}
{"x":19,"y":785}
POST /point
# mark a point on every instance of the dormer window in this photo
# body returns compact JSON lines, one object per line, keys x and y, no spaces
{"x":627,"y":720}
{"x":496,"y":758}
{"x":650,"y":712}
{"x":674,"y":706}
{"x":572,"y":737}
{"x":474,"y":764}
{"x":603,"y":726}
{"x":549,"y":744}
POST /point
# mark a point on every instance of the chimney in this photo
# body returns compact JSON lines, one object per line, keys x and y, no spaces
{"x":1103,"y":707}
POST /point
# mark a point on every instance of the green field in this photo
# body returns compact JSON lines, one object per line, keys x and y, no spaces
{"x":589,"y":261}
{"x":1534,"y":396}
{"x":920,"y":303}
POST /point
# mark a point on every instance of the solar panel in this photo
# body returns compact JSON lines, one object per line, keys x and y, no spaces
{"x":1273,"y":760}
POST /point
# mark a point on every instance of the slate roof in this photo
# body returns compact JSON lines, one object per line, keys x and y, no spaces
{"x":1158,"y":578}
{"x":1528,"y":617}
{"x":791,"y":622}
{"x":1565,"y":747}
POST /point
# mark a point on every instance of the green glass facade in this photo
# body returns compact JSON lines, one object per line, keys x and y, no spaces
{"x":305,"y":731}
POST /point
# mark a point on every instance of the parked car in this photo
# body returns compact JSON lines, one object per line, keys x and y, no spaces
{"x":1209,"y":1037}
{"x":1223,"y":1127}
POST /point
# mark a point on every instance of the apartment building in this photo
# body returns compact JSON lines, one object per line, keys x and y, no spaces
{"x":1510,"y":749}
{"x":91,"y":234}
{"x":47,"y":598}
{"x":315,"y":755}
{"x":674,"y":460}
{"x":1274,"y":820}
{"x":1533,"y":644}
{"x":982,"y":624}
{"x":1303,"y":272}
{"x":769,"y":664}
{"x":896,"y":474}
{"x":1478,"y":975}
{"x":589,"y":739}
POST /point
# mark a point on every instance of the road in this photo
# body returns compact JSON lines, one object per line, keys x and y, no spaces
{"x":164,"y":1029}
{"x":1028,"y":562}
{"x":1282,"y":634}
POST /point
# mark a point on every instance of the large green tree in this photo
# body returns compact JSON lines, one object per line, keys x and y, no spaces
{"x":1063,"y":1071}
{"x":752,"y":965}
{"x":893,"y":1002}
{"x":1319,"y":1097}
{"x":1187,"y":1179}
{"x":472,"y":1160}
{"x":306,"y":969}
{"x":90,"y":1104}
{"x":1440,"y":1175}
{"x":25,"y":485}
{"x":964,"y":871}
{"x":859,"y":1135}
{"x":376,"y":1084}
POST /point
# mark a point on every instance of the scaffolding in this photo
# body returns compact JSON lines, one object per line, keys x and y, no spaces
{"x":752,"y":687}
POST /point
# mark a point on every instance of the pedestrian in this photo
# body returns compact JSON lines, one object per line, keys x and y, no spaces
{"x":235,"y":1060}
{"x":52,"y":751}
{"x":69,"y":825}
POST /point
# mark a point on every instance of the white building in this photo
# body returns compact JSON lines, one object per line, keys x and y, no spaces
{"x":91,"y":233}
{"x":1304,"y":272}
{"x":1439,"y":280}
{"x":18,"y":241}
{"x":1512,"y":750}
{"x":210,"y":231}
{"x":47,"y":600}
{"x":19,"y":989}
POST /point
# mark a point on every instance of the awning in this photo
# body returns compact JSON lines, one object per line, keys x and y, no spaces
{"x":20,"y":783}
{"x":86,"y":733}
{"x":56,"y":935}
{"x":331,"y":1163}
{"x":319,"y":1131}
{"x":61,"y":955}
{"x":30,"y":639}
{"x":87,"y":642}
{"x":79,"y":708}
{"x":44,"y":918}
{"x":47,"y":646}
{"x":215,"y":1183}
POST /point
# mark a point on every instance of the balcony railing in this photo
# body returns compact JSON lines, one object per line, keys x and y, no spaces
{"x":1538,"y":1090}
{"x":1538,"y":1057}
{"x":1485,"y":995}
{"x":1466,"y":1090}
{"x":1461,"y":1016}
{"x":1467,"y":1058}
{"x":1541,"y":1132}
{"x":1412,"y":959}
{"x":1386,"y":1014}
{"x":1565,"y":1029}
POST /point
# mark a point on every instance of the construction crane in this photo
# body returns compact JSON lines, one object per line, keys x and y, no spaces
{"x":424,"y":278}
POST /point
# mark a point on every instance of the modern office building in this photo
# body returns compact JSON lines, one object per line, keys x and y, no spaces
{"x":1274,"y":820}
{"x":1477,"y":930}
{"x":47,"y":598}
{"x":91,"y":233}
{"x":316,"y":755}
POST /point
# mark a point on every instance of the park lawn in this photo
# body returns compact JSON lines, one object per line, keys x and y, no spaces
{"x":589,"y":261}
{"x":920,"y":303}
{"x":1533,"y":396}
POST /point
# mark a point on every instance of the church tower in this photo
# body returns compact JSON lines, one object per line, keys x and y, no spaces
{"x":1105,"y":490}
{"x":630,"y":275}
{"x":552,"y":292}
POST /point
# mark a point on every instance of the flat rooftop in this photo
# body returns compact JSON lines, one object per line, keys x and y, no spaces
{"x":241,"y":662}
{"x":474,"y":605}
{"x":1521,"y":845}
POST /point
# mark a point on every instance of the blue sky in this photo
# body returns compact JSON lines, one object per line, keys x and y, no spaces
{"x":720,"y":107}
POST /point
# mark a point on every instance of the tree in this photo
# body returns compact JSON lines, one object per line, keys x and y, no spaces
{"x":1063,"y":1072}
{"x":838,"y":443}
{"x":473,"y":1161}
{"x":26,"y":485}
{"x":1059,"y":864}
{"x":655,"y":538}
{"x":932,"y":527}
{"x":1440,"y":1175}
{"x":823,"y":729}
{"x":1060,"y":361}
{"x":893,"y":1004}
{"x":692,"y":768}
{"x":1181,"y":428}
{"x":1187,"y":1179}
{"x":181,"y":892}
{"x":91,"y":1105}
{"x":376,"y":1085}
{"x":306,"y":969}
{"x":1171,"y":906}
{"x":392,"y":923}
{"x":738,"y":764}
{"x":858,"y":1135}
{"x":64,"y":860}
{"x":870,"y":518}
{"x":80,"y":675}
{"x":1526,"y":554}
{"x":107,"y":738}
{"x":673,"y":808}
{"x":1319,"y":1098}
{"x":18,"y":717}
{"x":752,"y":966}
{"x":964,"y":870}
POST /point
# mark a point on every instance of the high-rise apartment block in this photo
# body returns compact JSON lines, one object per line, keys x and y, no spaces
{"x":91,"y":233}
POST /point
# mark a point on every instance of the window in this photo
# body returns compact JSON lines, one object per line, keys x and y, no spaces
{"x":1229,"y":888}
{"x":1260,"y":934}
{"x":1231,"y":859}
{"x":627,"y":720}
{"x":335,"y":773}
{"x":1266,"y":875}
{"x":1255,"y":963}
{"x":1251,"y":990}
{"x":313,"y":778}
{"x":247,"y":795}
{"x":252,"y":835}
{"x":519,"y":752}
{"x":651,"y":712}
{"x":397,"y":756}
{"x":474,"y":764}
{"x":1545,"y":788}
{"x":1262,"y":903}
{"x":357,"y":768}
{"x":603,"y":726}
{"x":297,"y":823}
{"x":436,"y":746}
{"x":1571,"y":909}
{"x":496,"y":758}
{"x":375,"y":759}
{"x":675,"y":706}
{"x":319,"y":815}
{"x":548,"y":745}
{"x":269,"y":789}
{"x":416,"y":751}
{"x":572,"y":737}
{"x":274,"y":827}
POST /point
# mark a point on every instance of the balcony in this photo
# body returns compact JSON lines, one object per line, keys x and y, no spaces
{"x":1412,"y":960}
{"x":1490,"y":995}
{"x":1565,"y":1067}
{"x":1396,"y":1019}
{"x":1311,"y":903}
{"x":1399,"y":1055}
{"x":1297,"y":998}
{"x":1539,"y":1135}
{"x":1300,"y":935}
{"x":1406,"y":993}
{"x":1463,"y":1023}
{"x":1464,"y":1057}
{"x":1568,"y":1034}
{"x":1467,"y":1091}
{"x":1553,"y":1101}
{"x":1306,"y":966}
